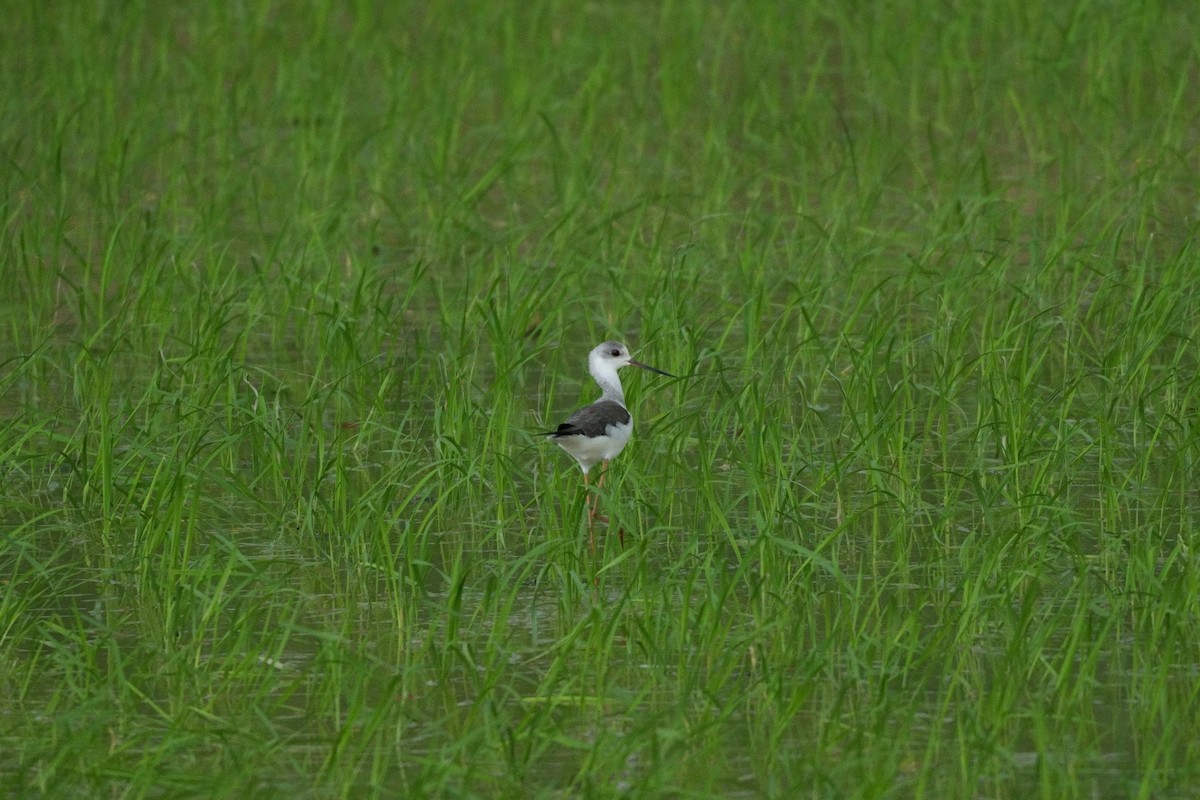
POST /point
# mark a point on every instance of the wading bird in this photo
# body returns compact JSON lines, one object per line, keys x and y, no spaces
{"x":595,"y":434}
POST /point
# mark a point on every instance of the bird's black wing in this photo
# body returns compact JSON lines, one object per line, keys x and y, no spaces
{"x":592,"y":420}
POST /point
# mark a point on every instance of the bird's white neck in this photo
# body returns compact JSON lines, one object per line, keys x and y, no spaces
{"x":606,"y":377}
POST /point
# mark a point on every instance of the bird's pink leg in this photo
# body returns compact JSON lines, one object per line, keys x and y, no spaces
{"x":587,"y":500}
{"x":604,"y":520}
{"x":599,"y":484}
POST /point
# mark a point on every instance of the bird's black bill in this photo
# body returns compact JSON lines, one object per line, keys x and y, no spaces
{"x":652,"y":369}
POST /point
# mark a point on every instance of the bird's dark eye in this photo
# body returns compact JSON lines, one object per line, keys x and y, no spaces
{"x":616,"y":352}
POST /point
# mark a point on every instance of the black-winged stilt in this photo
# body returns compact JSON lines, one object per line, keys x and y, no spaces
{"x":595,"y":434}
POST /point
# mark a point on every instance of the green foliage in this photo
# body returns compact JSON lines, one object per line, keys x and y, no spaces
{"x":287,"y":289}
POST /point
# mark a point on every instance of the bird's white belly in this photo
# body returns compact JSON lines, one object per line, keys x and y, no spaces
{"x":589,"y":451}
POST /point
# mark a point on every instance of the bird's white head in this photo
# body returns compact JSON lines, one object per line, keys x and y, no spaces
{"x":612,"y":355}
{"x":604,"y":361}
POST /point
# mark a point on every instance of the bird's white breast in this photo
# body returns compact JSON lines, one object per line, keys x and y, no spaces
{"x":589,"y":451}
